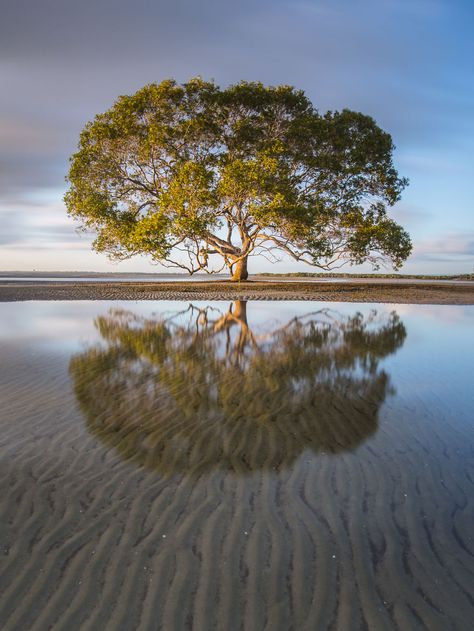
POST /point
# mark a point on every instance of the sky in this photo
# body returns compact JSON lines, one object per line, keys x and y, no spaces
{"x":407,"y":63}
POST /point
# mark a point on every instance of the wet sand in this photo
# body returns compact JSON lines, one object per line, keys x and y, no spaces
{"x":376,"y":538}
{"x":393,"y":291}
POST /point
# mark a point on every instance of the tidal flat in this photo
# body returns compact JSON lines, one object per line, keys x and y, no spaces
{"x":258,"y":465}
{"x":380,"y":290}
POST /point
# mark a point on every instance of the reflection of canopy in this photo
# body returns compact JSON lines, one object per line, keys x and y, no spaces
{"x":189,"y":393}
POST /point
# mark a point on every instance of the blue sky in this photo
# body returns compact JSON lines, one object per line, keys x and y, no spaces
{"x":408,"y":63}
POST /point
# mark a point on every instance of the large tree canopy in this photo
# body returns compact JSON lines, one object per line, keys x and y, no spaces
{"x":191,"y":173}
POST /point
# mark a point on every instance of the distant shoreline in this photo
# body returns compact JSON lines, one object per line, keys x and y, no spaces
{"x":394,"y":291}
{"x":223,"y":277}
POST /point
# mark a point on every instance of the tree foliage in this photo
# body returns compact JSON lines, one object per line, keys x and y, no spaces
{"x":190,"y":173}
{"x":258,"y":399}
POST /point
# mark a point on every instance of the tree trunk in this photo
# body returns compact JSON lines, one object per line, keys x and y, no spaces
{"x":240,"y":270}
{"x":239,"y":311}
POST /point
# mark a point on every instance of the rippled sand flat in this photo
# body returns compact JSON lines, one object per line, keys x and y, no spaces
{"x":393,"y":291}
{"x":236,"y":466}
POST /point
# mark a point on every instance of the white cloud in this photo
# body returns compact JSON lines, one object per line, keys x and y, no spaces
{"x":456,"y":244}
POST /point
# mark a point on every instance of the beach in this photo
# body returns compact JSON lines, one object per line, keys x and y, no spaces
{"x":353,"y":290}
{"x":268,"y":466}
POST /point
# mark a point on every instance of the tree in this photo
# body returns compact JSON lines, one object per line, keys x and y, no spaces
{"x":187,"y":173}
{"x":258,"y":399}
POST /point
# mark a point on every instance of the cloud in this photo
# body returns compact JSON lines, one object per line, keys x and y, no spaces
{"x":434,"y":162}
{"x":410,"y":215}
{"x":39,"y":227}
{"x":451,"y":248}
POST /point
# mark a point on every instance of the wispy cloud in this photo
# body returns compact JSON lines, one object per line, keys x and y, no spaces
{"x":39,"y":227}
{"x":451,"y":248}
{"x":411,"y":215}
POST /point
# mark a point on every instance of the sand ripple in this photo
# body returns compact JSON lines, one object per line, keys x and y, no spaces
{"x":378,"y":537}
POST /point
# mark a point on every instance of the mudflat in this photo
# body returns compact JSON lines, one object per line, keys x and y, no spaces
{"x":362,"y":290}
{"x":216,"y":467}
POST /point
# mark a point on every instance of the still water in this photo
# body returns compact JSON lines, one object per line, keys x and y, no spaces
{"x":258,"y":466}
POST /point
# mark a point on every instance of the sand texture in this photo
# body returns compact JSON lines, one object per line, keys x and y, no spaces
{"x":355,"y":291}
{"x":121,"y":512}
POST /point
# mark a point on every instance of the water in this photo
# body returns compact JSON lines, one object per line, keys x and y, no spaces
{"x":132,"y":278}
{"x":260,"y":465}
{"x":5,"y":277}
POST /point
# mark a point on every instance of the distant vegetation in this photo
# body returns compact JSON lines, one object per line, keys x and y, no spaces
{"x":145,"y":275}
{"x":348,"y":275}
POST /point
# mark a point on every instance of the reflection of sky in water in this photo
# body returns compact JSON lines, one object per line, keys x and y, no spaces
{"x":372,"y":510}
{"x":438,"y":350}
{"x":71,"y":321}
{"x":435,"y":332}
{"x":439,"y":337}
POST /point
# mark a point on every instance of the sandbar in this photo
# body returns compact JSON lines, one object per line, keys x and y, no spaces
{"x":361,"y":290}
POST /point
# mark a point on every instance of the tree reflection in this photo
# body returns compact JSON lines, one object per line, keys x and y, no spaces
{"x":197,"y":390}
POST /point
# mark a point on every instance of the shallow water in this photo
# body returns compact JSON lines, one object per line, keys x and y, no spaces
{"x":287,"y":465}
{"x":139,"y":278}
